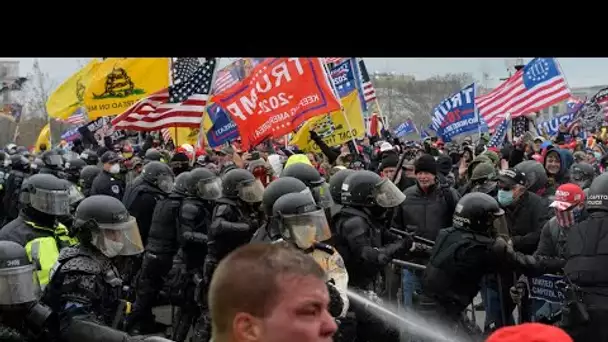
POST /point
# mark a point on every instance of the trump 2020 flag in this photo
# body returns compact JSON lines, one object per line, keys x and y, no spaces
{"x":405,"y":128}
{"x":344,"y":77}
{"x":456,"y":115}
{"x":500,"y":133}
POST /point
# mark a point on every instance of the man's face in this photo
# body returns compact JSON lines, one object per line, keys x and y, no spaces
{"x":425,"y":179}
{"x":537,"y":144}
{"x":552,"y":164}
{"x":409,"y":171}
{"x":389,"y":172}
{"x":301,"y":313}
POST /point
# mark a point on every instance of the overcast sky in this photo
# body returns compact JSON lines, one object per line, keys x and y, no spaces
{"x":580,"y":72}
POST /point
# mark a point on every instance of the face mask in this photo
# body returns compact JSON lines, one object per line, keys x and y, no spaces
{"x":114,"y":169}
{"x":505,"y":197}
{"x":597,"y":155}
{"x":112,"y":248}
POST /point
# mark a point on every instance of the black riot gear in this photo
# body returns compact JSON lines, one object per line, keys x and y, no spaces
{"x":20,"y":162}
{"x":367,"y":189}
{"x":278,"y":188}
{"x":12,"y":186}
{"x":205,"y":184}
{"x":52,"y":160}
{"x":152,"y":154}
{"x":36,"y":165}
{"x":90,"y":157}
{"x":87,"y":176}
{"x":479,"y":212}
{"x":313,"y":180}
{"x":335,"y":184}
{"x":182,"y":182}
{"x":242,"y":184}
{"x":582,"y":174}
{"x":73,"y":168}
{"x":597,"y":199}
{"x":46,"y":194}
{"x":159,"y":175}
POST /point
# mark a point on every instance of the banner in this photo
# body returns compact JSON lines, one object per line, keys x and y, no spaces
{"x":405,"y":128}
{"x":551,"y":127}
{"x":184,"y":135}
{"x":69,"y":96}
{"x":222,"y":129}
{"x":43,"y":138}
{"x":545,"y":288}
{"x":70,"y":135}
{"x":101,"y":128}
{"x":343,"y":76}
{"x":456,"y":115}
{"x":120,"y":82}
{"x":333,"y":128}
{"x":280,"y":94}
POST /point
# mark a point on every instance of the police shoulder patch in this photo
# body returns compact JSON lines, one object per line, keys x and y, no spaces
{"x":115,"y":189}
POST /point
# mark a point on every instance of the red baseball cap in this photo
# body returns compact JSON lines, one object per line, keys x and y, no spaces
{"x":567,"y":196}
{"x":529,"y":332}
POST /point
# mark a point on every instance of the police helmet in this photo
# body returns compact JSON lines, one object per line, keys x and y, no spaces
{"x":152,"y":154}
{"x":52,"y":159}
{"x":365,"y":188}
{"x":313,"y":180}
{"x":242,"y":184}
{"x":335,"y":184}
{"x":597,"y":199}
{"x":158,"y":174}
{"x":301,"y":220}
{"x":88,"y":174}
{"x":72,"y":168}
{"x":11,"y":148}
{"x":36,"y":165}
{"x":5,"y":159}
{"x":181,"y":184}
{"x":278,"y":188}
{"x":90,"y":157}
{"x":20,"y":163}
{"x":535,"y":172}
{"x":108,"y":225}
{"x":582,"y":174}
{"x":47,"y":194}
{"x":205,"y":184}
{"x":480,"y":213}
{"x":18,"y":282}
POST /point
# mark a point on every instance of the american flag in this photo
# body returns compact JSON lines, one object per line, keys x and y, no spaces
{"x":538,"y":85}
{"x":498,"y":138}
{"x":77,"y":118}
{"x":224,"y":80}
{"x":601,"y":98}
{"x":369,"y":92}
{"x":166,"y":134}
{"x":180,"y":105}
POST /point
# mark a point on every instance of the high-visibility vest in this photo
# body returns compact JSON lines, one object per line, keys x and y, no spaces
{"x":43,"y":251}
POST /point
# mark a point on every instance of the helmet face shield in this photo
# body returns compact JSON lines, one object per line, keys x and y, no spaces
{"x":18,"y":285}
{"x":74,"y":195}
{"x":118,"y":239}
{"x":52,"y":202}
{"x":252,"y":192}
{"x":165,"y":183}
{"x":388,"y":195}
{"x":209,"y":189}
{"x":306,"y":229}
{"x":322,"y":195}
{"x":53,"y":160}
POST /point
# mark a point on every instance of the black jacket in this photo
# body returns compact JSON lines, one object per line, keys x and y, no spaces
{"x":525,"y":220}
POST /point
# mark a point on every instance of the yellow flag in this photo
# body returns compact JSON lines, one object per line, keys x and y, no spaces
{"x":43,"y":138}
{"x":69,"y":96}
{"x":120,"y":82}
{"x":333,"y":127}
{"x":184,"y":135}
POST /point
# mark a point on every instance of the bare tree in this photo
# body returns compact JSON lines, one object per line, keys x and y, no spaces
{"x":401,"y":98}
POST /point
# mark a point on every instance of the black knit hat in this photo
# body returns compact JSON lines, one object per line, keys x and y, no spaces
{"x":390,"y":160}
{"x":426,"y":163}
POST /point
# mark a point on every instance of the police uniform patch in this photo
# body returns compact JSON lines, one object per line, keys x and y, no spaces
{"x":115,"y":189}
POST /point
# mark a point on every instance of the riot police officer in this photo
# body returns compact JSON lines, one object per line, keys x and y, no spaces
{"x":72,"y":169}
{"x":43,"y":199}
{"x":19,"y":172}
{"x":269,"y":231}
{"x":87,"y":176}
{"x":582,"y":175}
{"x":313,"y":180}
{"x":107,"y":182}
{"x":163,"y":242}
{"x":335,"y":190}
{"x":53,"y":164}
{"x":152,"y":154}
{"x":85,"y":280}
{"x":364,"y":243}
{"x":236,"y":217}
{"x":90,"y":157}
{"x":157,"y":182}
{"x":585,"y":313}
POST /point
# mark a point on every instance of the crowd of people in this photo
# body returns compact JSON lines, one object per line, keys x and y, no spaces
{"x":266,"y":244}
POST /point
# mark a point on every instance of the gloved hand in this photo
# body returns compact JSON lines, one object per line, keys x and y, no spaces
{"x":518,"y":292}
{"x":503,"y":248}
{"x":313,"y":135}
{"x":420,"y":248}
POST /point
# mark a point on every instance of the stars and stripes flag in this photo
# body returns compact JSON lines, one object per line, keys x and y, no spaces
{"x":601,"y":99}
{"x":166,"y":134}
{"x":78,"y":118}
{"x":538,"y":85}
{"x":369,"y":92}
{"x":498,"y":138}
{"x":180,"y":105}
{"x":225,"y":79}
{"x":574,"y":101}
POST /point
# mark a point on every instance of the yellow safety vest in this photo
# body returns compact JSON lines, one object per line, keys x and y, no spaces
{"x":43,"y":252}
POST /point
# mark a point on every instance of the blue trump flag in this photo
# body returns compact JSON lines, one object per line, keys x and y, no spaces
{"x":343,"y":75}
{"x":551,"y":126}
{"x":456,"y":115}
{"x":405,"y":128}
{"x":223,"y":129}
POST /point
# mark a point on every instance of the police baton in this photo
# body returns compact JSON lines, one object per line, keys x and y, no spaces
{"x":414,"y":237}
{"x":407,"y":264}
{"x":399,"y":166}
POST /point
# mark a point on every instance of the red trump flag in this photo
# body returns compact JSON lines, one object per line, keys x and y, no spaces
{"x":278,"y":95}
